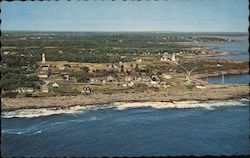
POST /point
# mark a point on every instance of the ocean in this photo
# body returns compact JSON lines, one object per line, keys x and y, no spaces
{"x":141,"y":129}
{"x":237,"y":49}
{"x":228,"y":79}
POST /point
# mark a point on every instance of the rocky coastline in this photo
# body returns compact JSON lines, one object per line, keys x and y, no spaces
{"x":211,"y":92}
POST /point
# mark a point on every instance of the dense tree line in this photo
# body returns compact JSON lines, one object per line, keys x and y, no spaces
{"x":15,"y":72}
{"x":14,"y":61}
{"x":12,"y":81}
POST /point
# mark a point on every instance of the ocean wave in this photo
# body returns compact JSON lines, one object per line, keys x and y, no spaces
{"x":209,"y":105}
{"x":27,"y":131}
{"x":45,"y":126}
{"x":30,"y":113}
{"x":69,"y":121}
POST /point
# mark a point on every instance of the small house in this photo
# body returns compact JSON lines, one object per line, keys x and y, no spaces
{"x":124,"y":85}
{"x":110,"y":78}
{"x":61,"y":67}
{"x":44,"y":74}
{"x":25,"y":90}
{"x":45,"y":89}
{"x":164,"y":85}
{"x":167,"y":76}
{"x":139,"y":60}
{"x":155,"y":78}
{"x":120,"y":63}
{"x":164,"y":58}
{"x":154,"y":84}
{"x":103,"y":81}
{"x":65,"y":76}
{"x":200,"y":86}
{"x":128,"y":78}
{"x":86,"y":90}
{"x":45,"y":68}
{"x":131,"y":84}
{"x":6,"y":52}
{"x":91,"y":69}
{"x":146,"y":79}
{"x":138,"y":79}
{"x":55,"y":85}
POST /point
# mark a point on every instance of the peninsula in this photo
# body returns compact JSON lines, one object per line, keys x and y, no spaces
{"x":42,"y":70}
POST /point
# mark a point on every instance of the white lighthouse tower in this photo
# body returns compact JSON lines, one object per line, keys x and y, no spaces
{"x":173,"y":57}
{"x":43,"y":58}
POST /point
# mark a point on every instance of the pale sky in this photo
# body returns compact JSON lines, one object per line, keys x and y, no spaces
{"x":162,"y":15}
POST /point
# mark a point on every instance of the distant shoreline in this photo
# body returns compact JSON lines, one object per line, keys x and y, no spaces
{"x":231,"y":72}
{"x":211,"y":92}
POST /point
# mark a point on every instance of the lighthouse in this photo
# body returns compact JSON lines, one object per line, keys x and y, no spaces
{"x":43,"y":58}
{"x":173,"y":57}
{"x":44,"y":71}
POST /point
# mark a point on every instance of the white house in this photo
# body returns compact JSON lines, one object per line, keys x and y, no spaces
{"x":131,"y":84}
{"x":200,"y":86}
{"x":139,"y":60}
{"x":86,"y":90}
{"x":6,"y":52}
{"x":164,"y":58}
{"x":55,"y":85}
{"x":154,"y":84}
{"x":43,"y":75}
{"x":103,"y":81}
{"x":167,"y":76}
{"x":45,"y":89}
{"x":128,"y":78}
{"x":25,"y":90}
{"x":120,"y":63}
{"x":124,"y":85}
{"x":110,"y":78}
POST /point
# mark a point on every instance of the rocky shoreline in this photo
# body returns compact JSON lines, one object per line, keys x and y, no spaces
{"x":211,"y":92}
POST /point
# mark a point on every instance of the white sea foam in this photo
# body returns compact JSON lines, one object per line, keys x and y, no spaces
{"x":45,"y":126}
{"x":209,"y":105}
{"x":30,"y":113}
{"x":65,"y":122}
{"x":22,"y":132}
{"x":38,"y":132}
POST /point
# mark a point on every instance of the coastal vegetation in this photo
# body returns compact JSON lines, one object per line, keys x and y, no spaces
{"x":108,"y":63}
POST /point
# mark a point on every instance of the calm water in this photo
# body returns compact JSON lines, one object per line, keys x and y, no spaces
{"x":236,"y":79}
{"x":238,"y":48}
{"x":132,"y":132}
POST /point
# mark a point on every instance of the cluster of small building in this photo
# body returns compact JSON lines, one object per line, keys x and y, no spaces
{"x":150,"y":81}
{"x":45,"y":71}
{"x":125,"y":75}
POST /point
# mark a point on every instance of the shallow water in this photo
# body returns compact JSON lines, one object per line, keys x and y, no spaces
{"x":132,"y":131}
{"x":237,"y":49}
{"x":231,"y":78}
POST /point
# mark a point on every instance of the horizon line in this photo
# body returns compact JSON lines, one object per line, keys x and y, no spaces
{"x":148,"y":31}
